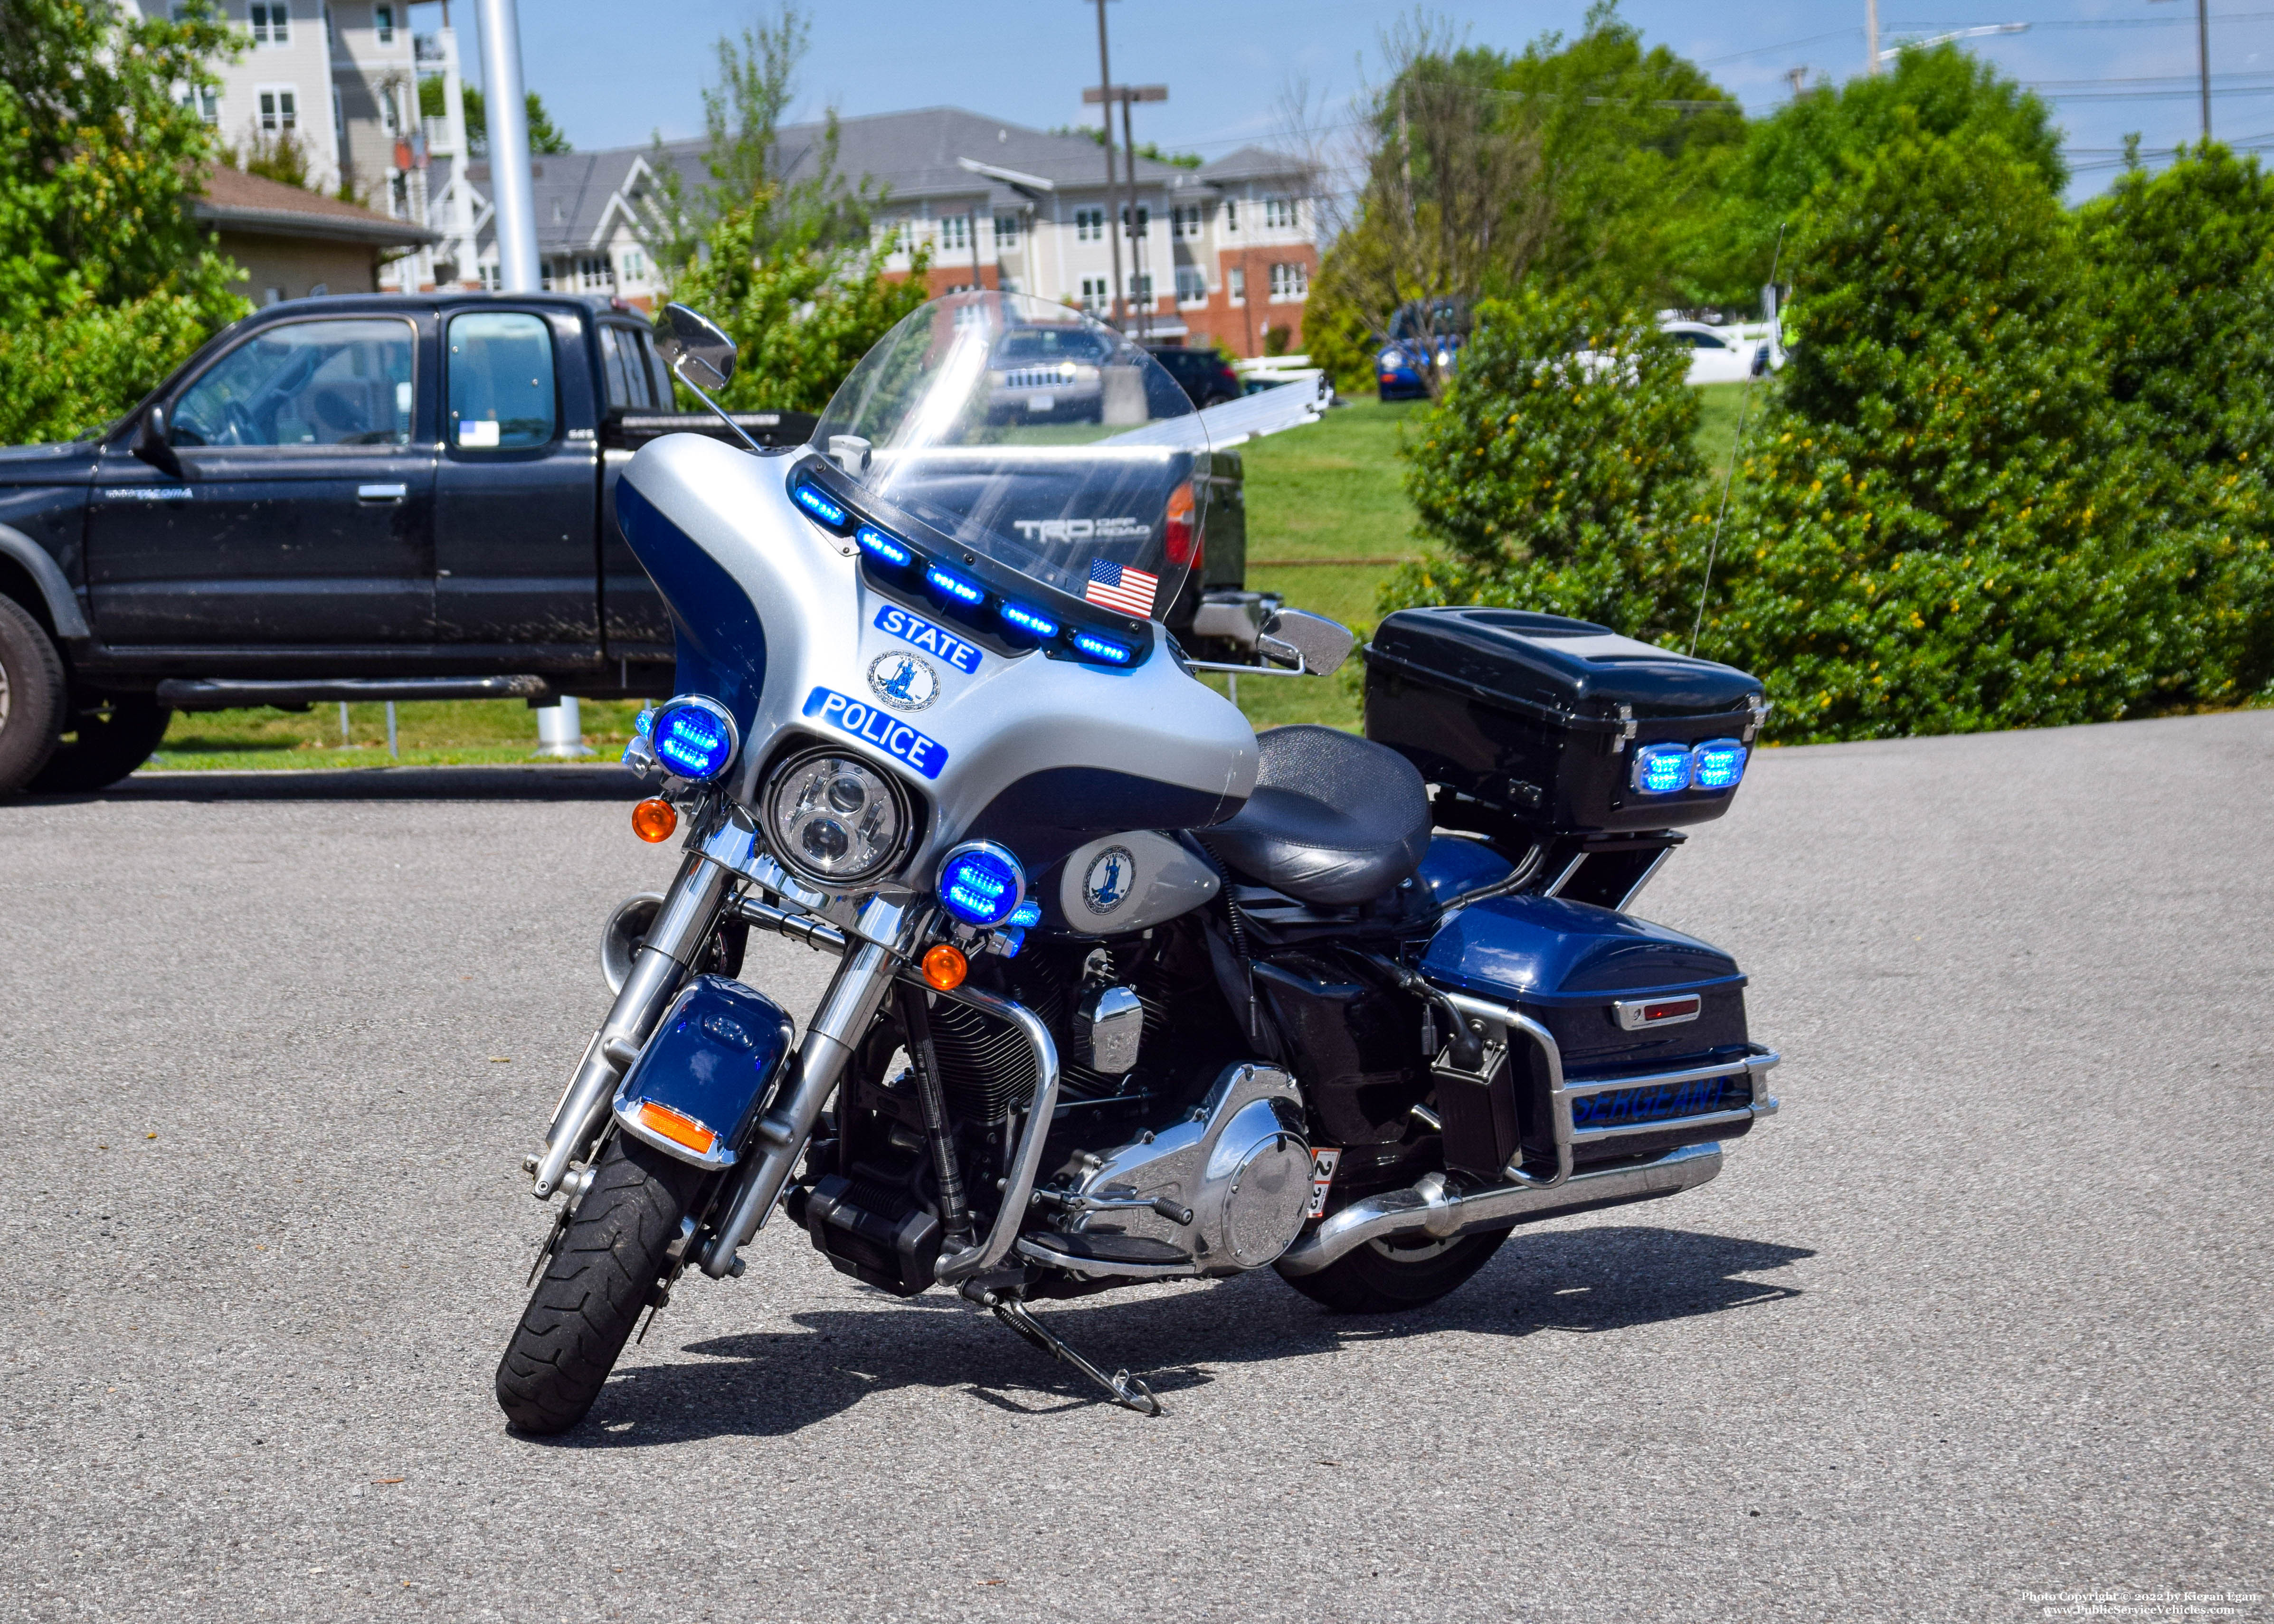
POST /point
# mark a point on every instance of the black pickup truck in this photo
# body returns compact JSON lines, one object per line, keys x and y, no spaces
{"x":364,"y":497}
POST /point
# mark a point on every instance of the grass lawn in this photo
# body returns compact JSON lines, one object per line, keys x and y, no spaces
{"x":1327,"y":518}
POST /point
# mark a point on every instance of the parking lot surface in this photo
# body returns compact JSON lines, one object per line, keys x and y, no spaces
{"x":1981,"y":1317}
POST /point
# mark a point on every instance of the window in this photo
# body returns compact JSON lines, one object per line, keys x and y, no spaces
{"x":633,"y":267}
{"x":1191,"y":285}
{"x":205,"y":101}
{"x":487,"y":275}
{"x":594,"y":274}
{"x":1235,"y":286}
{"x":272,"y":22}
{"x":1185,"y":220}
{"x":1279,"y":214}
{"x":307,"y":383}
{"x":382,"y":19}
{"x":1144,"y":220}
{"x":1140,"y":288}
{"x":1096,"y":295}
{"x":1289,"y":283}
{"x":1088,"y":225}
{"x":279,"y":108}
{"x":955,"y":234}
{"x":1007,"y":230}
{"x":1231,"y":214}
{"x":501,"y":390}
{"x":636,"y":380}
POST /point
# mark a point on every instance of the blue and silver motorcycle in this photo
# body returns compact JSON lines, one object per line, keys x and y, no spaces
{"x":1125,"y":991}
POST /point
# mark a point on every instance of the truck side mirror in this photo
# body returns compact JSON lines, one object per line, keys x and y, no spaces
{"x":1311,"y":641}
{"x":151,"y":445}
{"x":702,"y":355}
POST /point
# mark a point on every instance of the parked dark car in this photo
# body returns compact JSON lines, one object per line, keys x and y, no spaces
{"x":1419,"y":332}
{"x":364,"y":497}
{"x":1203,"y":374}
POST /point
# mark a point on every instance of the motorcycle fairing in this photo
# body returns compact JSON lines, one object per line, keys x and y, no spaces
{"x":715,"y":1055}
{"x":1039,"y":753}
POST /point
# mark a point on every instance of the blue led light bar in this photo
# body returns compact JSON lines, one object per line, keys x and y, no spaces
{"x":890,"y":549}
{"x":949,"y":584}
{"x":1103,"y":649}
{"x":694,"y":737}
{"x":1661,"y":769}
{"x":1033,"y":622}
{"x":1028,"y":916}
{"x":982,"y":883}
{"x":820,"y":504}
{"x":1721,"y":764}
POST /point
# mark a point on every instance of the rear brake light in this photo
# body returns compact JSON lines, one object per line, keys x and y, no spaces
{"x":1634,"y":1014}
{"x":1180,"y":533}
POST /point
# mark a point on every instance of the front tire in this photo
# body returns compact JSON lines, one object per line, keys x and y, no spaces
{"x":111,"y":737}
{"x":32,"y":697}
{"x":1384,"y":1277}
{"x":603,"y":1269}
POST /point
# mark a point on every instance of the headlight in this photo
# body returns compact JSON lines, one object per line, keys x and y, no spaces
{"x":982,"y":883}
{"x":694,"y":737}
{"x":1390,"y":357}
{"x":837,"y":821}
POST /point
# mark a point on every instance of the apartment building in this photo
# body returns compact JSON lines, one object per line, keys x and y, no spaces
{"x":1222,"y":254}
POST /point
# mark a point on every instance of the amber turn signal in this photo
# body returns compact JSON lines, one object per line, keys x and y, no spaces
{"x":677,"y":1127}
{"x":944,"y":968}
{"x":654,"y":820}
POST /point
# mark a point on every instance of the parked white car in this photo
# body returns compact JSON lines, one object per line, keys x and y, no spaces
{"x":1717,"y":354}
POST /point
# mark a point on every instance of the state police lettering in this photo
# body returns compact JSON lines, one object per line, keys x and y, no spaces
{"x":931,"y":639}
{"x":880,"y":728}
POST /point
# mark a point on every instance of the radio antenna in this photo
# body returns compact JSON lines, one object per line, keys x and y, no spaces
{"x":1776,"y":320}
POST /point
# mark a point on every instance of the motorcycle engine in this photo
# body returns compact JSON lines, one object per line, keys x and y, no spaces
{"x":1220,"y":1191}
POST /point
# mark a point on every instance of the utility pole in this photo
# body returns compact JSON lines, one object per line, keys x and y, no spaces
{"x":1105,"y":111}
{"x":2202,"y":61}
{"x":1136,"y":235}
{"x":1871,"y":37}
{"x":559,"y":726}
{"x":1107,"y":95}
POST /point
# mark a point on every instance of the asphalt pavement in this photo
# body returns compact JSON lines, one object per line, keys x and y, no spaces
{"x":1982,"y":1318}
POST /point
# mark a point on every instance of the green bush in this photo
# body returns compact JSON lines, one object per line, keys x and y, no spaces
{"x":1561,"y":471}
{"x":1944,"y":528}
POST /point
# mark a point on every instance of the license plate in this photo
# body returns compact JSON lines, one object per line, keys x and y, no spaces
{"x":1323,"y":1164}
{"x":1042,"y":402}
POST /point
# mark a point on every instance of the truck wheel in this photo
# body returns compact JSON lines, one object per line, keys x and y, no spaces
{"x":110,"y":739}
{"x":604,"y":1268}
{"x":1384,"y":1276}
{"x":32,"y":692}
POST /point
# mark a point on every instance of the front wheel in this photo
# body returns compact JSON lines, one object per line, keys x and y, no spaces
{"x":603,"y":1270}
{"x":1402,"y":1272}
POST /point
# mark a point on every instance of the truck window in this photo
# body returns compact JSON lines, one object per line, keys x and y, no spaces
{"x":501,"y":381}
{"x":305,"y":383}
{"x":631,"y":365}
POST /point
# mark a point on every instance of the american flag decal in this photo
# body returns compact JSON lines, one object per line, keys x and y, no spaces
{"x":1118,"y":586}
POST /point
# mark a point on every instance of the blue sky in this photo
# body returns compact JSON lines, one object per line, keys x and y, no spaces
{"x":612,"y":74}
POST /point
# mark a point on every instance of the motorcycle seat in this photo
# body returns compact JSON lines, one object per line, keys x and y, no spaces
{"x":1334,"y":818}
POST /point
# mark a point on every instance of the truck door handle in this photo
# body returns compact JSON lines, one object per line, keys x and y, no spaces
{"x":381,"y":492}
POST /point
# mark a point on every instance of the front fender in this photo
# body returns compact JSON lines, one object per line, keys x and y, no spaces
{"x":703,"y":1076}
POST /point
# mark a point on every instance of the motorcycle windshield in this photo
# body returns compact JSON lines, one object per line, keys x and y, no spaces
{"x":1035,"y":436}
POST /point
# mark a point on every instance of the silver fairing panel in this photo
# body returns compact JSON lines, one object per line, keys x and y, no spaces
{"x":982,"y":730}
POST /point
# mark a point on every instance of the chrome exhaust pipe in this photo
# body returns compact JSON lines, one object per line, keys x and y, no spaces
{"x":1432,"y":1208}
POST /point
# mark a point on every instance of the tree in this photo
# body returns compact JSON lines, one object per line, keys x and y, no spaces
{"x":1816,"y":138}
{"x":544,"y":135}
{"x":1945,"y":529}
{"x":1560,"y":471}
{"x":106,"y":280}
{"x":2184,"y":286}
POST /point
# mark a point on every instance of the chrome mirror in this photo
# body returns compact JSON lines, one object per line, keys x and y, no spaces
{"x":1297,"y":636}
{"x":693,"y":344}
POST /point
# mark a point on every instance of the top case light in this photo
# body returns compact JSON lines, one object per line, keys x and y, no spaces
{"x":1721,"y":764}
{"x":1661,"y":769}
{"x":693,"y":737}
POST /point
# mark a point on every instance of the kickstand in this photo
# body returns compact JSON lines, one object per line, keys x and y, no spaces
{"x":1128,"y":1390}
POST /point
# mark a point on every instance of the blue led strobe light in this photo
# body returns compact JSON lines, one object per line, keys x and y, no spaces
{"x":693,"y":737}
{"x":1103,"y":649}
{"x":1721,"y":764}
{"x":889,"y":549}
{"x":1029,"y":914}
{"x":982,"y":883}
{"x":948,"y":583}
{"x":1661,"y":769}
{"x":818,"y":503}
{"x":1033,"y":622}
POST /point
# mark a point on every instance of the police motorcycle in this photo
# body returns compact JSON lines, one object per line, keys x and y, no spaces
{"x":1125,"y":991}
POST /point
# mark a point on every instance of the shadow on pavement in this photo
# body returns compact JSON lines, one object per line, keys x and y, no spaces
{"x":582,"y":782}
{"x":768,"y":1384}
